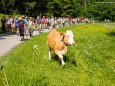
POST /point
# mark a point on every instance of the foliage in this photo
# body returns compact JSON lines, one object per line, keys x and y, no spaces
{"x":75,"y":8}
{"x":90,"y":62}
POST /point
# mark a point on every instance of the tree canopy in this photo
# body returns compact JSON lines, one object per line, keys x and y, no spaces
{"x":74,"y":8}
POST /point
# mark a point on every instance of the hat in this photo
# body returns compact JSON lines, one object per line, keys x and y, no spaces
{"x":23,"y":16}
{"x":20,"y":18}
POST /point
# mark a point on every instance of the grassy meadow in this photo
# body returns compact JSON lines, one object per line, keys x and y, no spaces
{"x":90,"y":62}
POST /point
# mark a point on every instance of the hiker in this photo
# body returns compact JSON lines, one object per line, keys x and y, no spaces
{"x":21,"y":28}
{"x":25,"y":21}
{"x":59,"y":22}
{"x":52,"y":22}
{"x":9,"y":24}
{"x":31,"y":26}
{"x":39,"y":22}
{"x":16,"y":21}
{"x":3,"y":23}
{"x":43,"y":20}
{"x":48,"y":22}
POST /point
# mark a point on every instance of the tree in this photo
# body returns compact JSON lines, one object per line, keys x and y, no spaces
{"x":74,"y":8}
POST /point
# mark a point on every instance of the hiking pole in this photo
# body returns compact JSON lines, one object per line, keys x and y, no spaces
{"x":2,"y":68}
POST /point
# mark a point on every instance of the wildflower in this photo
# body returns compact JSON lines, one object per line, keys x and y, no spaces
{"x":35,"y":46}
{"x":35,"y":50}
{"x":44,"y":56}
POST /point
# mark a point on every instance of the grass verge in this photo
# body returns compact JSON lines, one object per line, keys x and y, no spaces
{"x":91,"y":62}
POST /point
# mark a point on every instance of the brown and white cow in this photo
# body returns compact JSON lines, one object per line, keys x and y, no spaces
{"x":58,"y":42}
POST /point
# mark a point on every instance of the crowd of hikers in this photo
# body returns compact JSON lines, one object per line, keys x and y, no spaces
{"x":24,"y":24}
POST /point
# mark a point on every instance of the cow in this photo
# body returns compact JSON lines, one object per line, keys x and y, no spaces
{"x":58,"y":42}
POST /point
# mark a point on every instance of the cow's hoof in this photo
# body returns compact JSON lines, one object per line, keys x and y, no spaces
{"x":63,"y":64}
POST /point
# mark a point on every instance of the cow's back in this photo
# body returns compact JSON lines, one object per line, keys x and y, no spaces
{"x":53,"y":39}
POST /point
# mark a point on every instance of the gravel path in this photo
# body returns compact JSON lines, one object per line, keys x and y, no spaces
{"x":7,"y":42}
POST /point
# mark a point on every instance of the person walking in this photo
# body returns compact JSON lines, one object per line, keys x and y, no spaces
{"x":43,"y":21}
{"x":52,"y":22}
{"x":25,"y":21}
{"x":3,"y":23}
{"x":38,"y":22}
{"x":31,"y":26}
{"x":21,"y":28}
{"x":9,"y":24}
{"x":16,"y":22}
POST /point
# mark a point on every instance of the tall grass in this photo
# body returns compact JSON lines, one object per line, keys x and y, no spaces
{"x":91,"y":62}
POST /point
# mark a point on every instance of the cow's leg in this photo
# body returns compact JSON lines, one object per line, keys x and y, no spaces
{"x":61,"y":58}
{"x":49,"y":53}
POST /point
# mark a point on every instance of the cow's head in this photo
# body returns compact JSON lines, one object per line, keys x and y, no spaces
{"x":68,"y":38}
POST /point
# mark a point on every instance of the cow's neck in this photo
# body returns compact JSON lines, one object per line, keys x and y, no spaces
{"x":64,"y":41}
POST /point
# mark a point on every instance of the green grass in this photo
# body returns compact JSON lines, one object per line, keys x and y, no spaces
{"x":91,"y":62}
